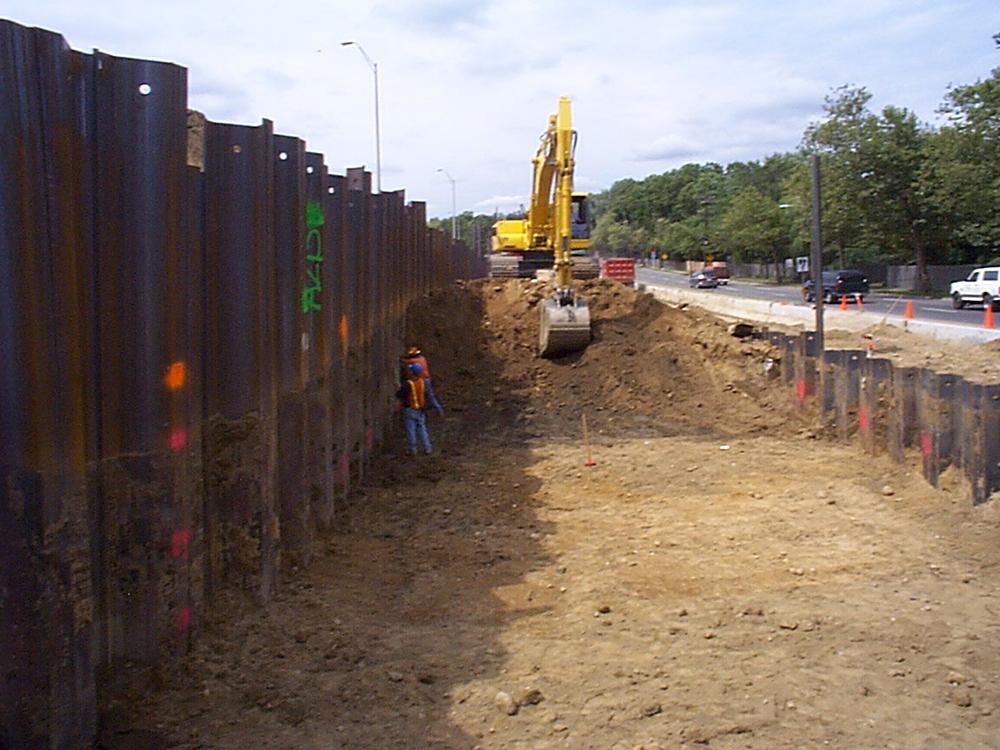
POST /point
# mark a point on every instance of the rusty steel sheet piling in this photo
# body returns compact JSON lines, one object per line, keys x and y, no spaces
{"x":356,"y":272}
{"x":241,"y":359}
{"x":47,"y":690}
{"x":146,"y":292}
{"x":297,"y":286}
{"x":319,"y":345}
{"x":940,"y":418}
{"x":873,"y":404}
{"x":193,"y":362}
{"x":336,"y":202}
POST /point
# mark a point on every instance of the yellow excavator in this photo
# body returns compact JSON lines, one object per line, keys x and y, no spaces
{"x":556,"y":235}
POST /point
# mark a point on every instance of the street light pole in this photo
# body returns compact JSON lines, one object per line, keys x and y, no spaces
{"x":378,"y":136}
{"x":454,"y":211}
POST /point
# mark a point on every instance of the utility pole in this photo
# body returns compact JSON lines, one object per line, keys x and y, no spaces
{"x":817,"y":257}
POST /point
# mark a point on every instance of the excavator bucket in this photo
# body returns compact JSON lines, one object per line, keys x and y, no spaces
{"x":564,"y":328}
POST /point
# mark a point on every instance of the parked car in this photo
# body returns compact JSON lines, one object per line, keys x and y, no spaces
{"x":982,"y":287}
{"x":704,"y":279}
{"x":837,"y":284}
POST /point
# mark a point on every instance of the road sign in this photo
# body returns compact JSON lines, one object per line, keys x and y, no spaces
{"x":802,"y":264}
{"x":789,"y":264}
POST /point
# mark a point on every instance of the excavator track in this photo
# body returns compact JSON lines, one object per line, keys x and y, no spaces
{"x":586,"y":268}
{"x":563,"y":328}
{"x":517,"y":266}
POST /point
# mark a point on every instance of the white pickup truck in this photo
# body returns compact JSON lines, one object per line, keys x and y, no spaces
{"x":982,"y":287}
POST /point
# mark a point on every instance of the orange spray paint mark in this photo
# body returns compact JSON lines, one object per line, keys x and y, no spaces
{"x":926,"y":445}
{"x":345,"y":328}
{"x":863,"y":419}
{"x":176,"y":376}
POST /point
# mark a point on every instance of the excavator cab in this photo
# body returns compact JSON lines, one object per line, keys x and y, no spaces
{"x":580,"y":217}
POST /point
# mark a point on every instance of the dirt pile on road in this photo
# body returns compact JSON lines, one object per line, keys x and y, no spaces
{"x":650,"y":367}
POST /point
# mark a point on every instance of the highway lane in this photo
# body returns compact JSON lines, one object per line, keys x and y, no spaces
{"x":937,"y":310}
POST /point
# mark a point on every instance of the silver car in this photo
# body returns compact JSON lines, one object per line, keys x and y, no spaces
{"x":704,"y":279}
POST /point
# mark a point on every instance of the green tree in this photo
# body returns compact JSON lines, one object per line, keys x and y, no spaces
{"x":676,"y":239}
{"x":611,"y":237}
{"x":873,"y":179}
{"x":962,"y":172}
{"x":756,"y":229}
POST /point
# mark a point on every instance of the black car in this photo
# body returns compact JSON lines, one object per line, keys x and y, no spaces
{"x":837,"y":284}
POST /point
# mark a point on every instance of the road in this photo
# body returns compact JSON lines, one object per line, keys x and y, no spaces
{"x":923,"y":309}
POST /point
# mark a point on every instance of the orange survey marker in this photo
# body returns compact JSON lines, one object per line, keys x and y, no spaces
{"x":586,"y":443}
{"x":909,"y":309}
{"x":988,"y":317}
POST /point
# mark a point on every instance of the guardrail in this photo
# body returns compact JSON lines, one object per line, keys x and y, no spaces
{"x":194,"y":365}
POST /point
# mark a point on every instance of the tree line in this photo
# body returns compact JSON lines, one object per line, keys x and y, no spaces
{"x":894,"y":190}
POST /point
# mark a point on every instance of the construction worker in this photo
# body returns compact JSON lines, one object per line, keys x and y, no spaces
{"x":414,"y":356}
{"x":416,"y":395}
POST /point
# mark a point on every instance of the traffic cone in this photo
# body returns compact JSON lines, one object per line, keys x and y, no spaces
{"x":909,"y":309}
{"x":860,"y":301}
{"x":988,"y":317}
{"x":843,"y":303}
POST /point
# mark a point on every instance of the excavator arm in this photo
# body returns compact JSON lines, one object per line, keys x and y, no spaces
{"x":556,"y":224}
{"x":565,"y":317}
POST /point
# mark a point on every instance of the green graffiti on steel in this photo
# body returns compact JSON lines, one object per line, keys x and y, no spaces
{"x":314,"y":256}
{"x":314,"y":215}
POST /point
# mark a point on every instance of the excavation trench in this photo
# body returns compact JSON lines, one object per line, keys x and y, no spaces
{"x":720,"y":578}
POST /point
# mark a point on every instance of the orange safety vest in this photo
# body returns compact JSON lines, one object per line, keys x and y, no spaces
{"x":416,"y":392}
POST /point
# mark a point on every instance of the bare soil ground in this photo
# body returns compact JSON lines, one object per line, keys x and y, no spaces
{"x":977,"y":363}
{"x":719,"y":579}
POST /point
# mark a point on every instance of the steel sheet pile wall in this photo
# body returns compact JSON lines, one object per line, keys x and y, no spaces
{"x":193,"y":365}
{"x":950,"y":421}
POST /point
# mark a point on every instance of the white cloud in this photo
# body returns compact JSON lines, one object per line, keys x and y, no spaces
{"x":468,"y":87}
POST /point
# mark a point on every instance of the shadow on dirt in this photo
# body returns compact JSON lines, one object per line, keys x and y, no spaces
{"x":402,"y":611}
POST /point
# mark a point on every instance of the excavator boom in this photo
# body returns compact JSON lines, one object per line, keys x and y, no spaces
{"x":556,"y":225}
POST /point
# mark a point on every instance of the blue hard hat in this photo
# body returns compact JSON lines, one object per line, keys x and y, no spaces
{"x":416,"y":369}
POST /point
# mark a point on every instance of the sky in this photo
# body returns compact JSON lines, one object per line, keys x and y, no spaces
{"x":467,"y":87}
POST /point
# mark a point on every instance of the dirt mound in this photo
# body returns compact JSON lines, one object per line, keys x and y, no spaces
{"x":650,"y":367}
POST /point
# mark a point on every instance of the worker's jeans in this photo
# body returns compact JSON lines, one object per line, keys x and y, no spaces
{"x":415,"y":422}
